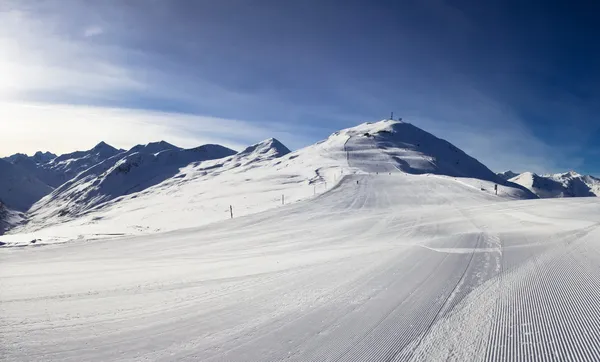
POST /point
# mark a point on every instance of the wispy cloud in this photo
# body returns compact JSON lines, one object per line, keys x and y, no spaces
{"x":38,"y":60}
{"x":105,"y":68}
{"x":29,"y":127}
{"x":93,"y":30}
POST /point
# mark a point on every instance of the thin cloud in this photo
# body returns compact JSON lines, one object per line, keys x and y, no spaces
{"x":93,"y":31}
{"x":29,"y":127}
{"x":43,"y":63}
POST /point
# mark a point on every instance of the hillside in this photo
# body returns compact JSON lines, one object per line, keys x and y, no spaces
{"x":568,"y":184}
{"x":123,"y":174}
{"x":507,"y":175}
{"x":382,"y":267}
{"x":69,"y":165}
{"x":9,"y":219}
{"x":55,"y":170}
{"x":110,"y":196}
{"x":19,"y":189}
{"x":39,"y":157}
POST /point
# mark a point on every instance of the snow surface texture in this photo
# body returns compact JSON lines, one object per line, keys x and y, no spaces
{"x":568,"y":184}
{"x":382,"y":267}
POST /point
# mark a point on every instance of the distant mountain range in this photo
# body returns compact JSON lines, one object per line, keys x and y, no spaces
{"x":122,"y":174}
{"x":46,"y":189}
{"x":568,"y":184}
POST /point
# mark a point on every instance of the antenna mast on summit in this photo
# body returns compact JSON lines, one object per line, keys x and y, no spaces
{"x":392,"y":116}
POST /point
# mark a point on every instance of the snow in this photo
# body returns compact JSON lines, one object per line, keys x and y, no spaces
{"x":9,"y":218}
{"x":38,"y":157}
{"x":568,"y":184}
{"x":19,"y":189}
{"x":507,"y":175}
{"x":333,"y":278}
{"x":123,"y":174}
{"x":69,"y":165}
{"x":105,"y":197}
{"x":386,"y":250}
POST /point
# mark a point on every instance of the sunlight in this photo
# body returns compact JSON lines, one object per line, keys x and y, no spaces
{"x":11,"y":73}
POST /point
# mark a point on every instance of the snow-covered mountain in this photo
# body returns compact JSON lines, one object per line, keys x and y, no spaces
{"x":67,"y":166}
{"x":38,"y":157}
{"x":38,"y":169}
{"x":139,"y":192}
{"x":507,"y":175}
{"x":395,"y":145}
{"x":9,"y":218}
{"x":122,"y":174}
{"x":56,"y":170}
{"x":19,"y":189}
{"x":391,"y":263}
{"x":568,"y":184}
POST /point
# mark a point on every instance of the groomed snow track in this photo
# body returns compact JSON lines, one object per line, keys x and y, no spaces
{"x":388,"y":267}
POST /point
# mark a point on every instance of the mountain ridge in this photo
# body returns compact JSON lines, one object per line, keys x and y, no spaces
{"x":566,"y":184}
{"x":159,"y":174}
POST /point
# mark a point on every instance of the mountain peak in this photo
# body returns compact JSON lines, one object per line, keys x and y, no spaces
{"x":269,"y":148}
{"x":154,"y":147}
{"x":43,"y":157}
{"x":102,"y":144}
{"x":507,"y":175}
{"x":566,"y":184}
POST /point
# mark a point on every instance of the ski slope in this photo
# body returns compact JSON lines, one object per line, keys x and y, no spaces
{"x":383,"y":266}
{"x":393,"y":268}
{"x":101,"y":202}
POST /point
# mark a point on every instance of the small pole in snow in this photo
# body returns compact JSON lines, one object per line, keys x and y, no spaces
{"x":314,"y":189}
{"x":496,"y":188}
{"x":392,"y":116}
{"x":231,"y":211}
{"x":282,"y":200}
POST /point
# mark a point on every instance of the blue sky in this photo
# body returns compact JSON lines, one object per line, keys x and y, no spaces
{"x":513,"y":83}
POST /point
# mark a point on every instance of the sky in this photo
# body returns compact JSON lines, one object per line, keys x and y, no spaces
{"x":512,"y":83}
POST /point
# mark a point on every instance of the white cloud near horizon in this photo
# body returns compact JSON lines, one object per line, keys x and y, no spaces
{"x":28,"y":127}
{"x":48,"y":65}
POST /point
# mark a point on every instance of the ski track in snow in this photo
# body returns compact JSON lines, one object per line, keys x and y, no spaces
{"x":395,"y":267}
